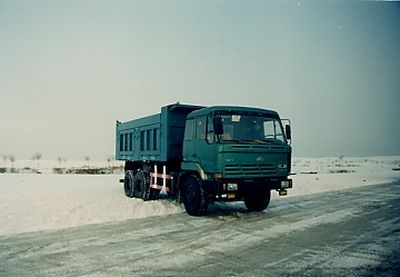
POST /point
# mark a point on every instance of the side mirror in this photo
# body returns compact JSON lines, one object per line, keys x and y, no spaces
{"x":218,"y":125}
{"x":288,"y":132}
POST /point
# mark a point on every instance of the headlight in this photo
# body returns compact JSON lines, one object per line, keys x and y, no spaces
{"x":232,"y":186}
{"x":217,"y":175}
{"x":286,"y":184}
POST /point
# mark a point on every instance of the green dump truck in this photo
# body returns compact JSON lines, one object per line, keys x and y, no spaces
{"x":204,"y":154}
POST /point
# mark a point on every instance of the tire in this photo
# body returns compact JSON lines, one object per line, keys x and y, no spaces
{"x":195,"y":196}
{"x":140,"y":185}
{"x":258,"y":202}
{"x":128,"y":183}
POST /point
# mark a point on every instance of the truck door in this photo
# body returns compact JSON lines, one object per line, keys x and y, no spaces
{"x":195,"y":144}
{"x":189,"y":151}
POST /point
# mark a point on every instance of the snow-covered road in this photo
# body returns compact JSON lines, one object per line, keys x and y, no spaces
{"x":31,"y":202}
{"x":341,"y":218}
{"x":348,"y":232}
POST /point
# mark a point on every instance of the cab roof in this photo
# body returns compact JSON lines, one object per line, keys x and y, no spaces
{"x":232,"y":110}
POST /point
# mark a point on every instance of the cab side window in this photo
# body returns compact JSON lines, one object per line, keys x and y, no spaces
{"x":210,"y":130}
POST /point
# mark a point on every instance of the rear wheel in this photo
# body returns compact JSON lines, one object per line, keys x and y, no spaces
{"x":128,"y":183}
{"x":194,"y":196}
{"x":140,"y":185}
{"x":258,"y":202}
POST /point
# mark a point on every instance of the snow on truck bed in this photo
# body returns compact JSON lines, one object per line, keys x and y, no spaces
{"x":34,"y":202}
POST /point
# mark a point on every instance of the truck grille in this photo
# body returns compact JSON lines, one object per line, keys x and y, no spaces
{"x":236,"y":170}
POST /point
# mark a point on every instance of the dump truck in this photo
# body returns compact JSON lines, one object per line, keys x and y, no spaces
{"x":204,"y":154}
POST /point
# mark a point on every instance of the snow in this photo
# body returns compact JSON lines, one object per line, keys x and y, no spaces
{"x":31,"y":202}
{"x":36,"y":202}
{"x":367,"y":171}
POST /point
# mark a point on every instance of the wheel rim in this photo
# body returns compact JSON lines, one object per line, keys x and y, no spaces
{"x":190,"y":194}
{"x":191,"y":197}
{"x":138,"y":185}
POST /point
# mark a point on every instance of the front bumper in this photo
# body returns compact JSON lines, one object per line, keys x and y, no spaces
{"x":234,"y":189}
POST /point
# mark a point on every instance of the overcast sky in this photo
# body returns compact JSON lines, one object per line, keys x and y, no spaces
{"x":69,"y":69}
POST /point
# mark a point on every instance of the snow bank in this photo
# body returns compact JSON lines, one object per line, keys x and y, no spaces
{"x":32,"y":202}
{"x":314,"y":175}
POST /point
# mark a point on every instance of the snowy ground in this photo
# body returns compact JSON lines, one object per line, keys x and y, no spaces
{"x":331,"y":224}
{"x":331,"y":174}
{"x":36,"y":202}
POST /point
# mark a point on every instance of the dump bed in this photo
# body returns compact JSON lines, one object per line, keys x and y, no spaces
{"x":157,"y":137}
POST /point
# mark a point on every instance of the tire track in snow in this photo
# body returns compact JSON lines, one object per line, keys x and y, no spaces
{"x":309,"y":234}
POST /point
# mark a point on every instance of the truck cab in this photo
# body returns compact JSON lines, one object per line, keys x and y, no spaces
{"x":235,"y":153}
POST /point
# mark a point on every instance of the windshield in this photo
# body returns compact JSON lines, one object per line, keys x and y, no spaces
{"x":250,"y":129}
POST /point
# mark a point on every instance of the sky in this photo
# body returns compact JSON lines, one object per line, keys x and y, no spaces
{"x":70,"y":69}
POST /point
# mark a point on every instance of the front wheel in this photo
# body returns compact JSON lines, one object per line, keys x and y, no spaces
{"x":258,"y":202}
{"x":195,"y":196}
